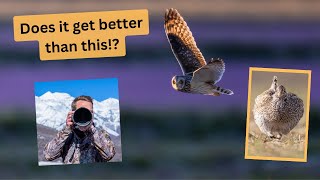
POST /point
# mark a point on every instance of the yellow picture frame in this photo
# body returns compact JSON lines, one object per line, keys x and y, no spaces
{"x":249,"y":110}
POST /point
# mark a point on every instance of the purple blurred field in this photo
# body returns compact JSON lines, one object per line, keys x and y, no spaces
{"x":146,"y":83}
{"x":145,"y":86}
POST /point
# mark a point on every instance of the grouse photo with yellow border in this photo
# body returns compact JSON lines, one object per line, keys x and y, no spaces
{"x":278,"y":114}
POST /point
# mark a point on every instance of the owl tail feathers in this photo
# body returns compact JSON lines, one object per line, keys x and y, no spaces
{"x":220,"y":90}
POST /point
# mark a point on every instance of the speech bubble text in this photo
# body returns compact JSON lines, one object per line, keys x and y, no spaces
{"x":81,"y":35}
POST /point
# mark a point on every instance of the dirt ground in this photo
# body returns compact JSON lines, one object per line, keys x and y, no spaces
{"x":289,"y":146}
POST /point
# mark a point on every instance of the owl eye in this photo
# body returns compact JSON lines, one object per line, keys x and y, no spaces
{"x":174,"y":82}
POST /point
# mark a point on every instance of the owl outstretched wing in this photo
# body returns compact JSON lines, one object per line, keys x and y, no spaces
{"x":210,"y":73}
{"x":182,"y":42}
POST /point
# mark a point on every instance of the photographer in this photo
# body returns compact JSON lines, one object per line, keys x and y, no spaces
{"x":80,"y":142}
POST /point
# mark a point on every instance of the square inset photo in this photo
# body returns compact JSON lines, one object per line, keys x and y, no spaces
{"x":78,"y":121}
{"x":278,"y":114}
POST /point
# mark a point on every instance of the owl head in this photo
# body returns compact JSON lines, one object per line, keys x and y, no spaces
{"x":178,"y":83}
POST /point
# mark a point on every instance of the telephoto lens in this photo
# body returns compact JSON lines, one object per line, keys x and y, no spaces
{"x":82,"y":117}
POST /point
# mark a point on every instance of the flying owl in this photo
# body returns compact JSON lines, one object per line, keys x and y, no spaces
{"x":276,"y":111}
{"x":198,"y":76}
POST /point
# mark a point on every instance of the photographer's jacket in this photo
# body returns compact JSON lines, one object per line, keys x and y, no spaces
{"x":95,"y":146}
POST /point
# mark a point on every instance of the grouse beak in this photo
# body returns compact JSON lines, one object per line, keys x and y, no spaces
{"x":274,"y":84}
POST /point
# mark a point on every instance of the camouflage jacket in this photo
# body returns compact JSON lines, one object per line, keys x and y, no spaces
{"x":96,"y":146}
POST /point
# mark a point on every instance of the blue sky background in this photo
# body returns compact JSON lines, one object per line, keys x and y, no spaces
{"x":99,"y":89}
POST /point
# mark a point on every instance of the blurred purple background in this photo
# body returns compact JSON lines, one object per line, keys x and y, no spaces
{"x":165,"y":133}
{"x":145,"y":82}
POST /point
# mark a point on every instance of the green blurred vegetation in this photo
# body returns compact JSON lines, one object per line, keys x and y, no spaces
{"x":169,"y":144}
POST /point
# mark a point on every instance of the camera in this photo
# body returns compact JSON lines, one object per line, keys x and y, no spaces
{"x":82,"y":117}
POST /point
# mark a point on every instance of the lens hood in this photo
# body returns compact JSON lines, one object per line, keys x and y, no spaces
{"x":82,"y":117}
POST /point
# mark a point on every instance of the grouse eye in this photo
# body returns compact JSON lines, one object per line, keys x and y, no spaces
{"x":271,"y":93}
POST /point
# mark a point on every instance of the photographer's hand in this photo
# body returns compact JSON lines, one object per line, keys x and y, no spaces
{"x":69,"y":121}
{"x":54,"y":148}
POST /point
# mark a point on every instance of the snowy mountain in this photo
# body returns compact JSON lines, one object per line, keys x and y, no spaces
{"x":52,"y":109}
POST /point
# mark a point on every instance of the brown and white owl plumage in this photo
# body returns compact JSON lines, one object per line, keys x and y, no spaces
{"x":276,"y":111}
{"x":198,"y":76}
